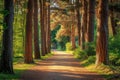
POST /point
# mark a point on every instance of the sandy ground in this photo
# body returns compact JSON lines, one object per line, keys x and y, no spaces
{"x":61,"y":66}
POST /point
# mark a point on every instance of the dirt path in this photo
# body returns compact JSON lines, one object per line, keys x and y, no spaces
{"x":61,"y":66}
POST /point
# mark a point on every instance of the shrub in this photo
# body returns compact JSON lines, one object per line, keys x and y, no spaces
{"x":80,"y":54}
{"x":118,"y":62}
{"x":114,"y":49}
{"x":114,"y":45}
{"x":90,"y":48}
{"x":68,"y":46}
{"x":91,"y":59}
{"x":114,"y":58}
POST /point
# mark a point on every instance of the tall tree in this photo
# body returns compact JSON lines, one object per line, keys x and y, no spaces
{"x":73,"y":36}
{"x":42,"y":22}
{"x":91,"y":21}
{"x":36,"y":31}
{"x":6,"y":65}
{"x":48,"y":34}
{"x":102,"y":33}
{"x":84,"y":23}
{"x":28,"y":35}
{"x":78,"y":20}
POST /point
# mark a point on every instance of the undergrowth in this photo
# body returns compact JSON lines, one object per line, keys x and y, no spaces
{"x":87,"y":58}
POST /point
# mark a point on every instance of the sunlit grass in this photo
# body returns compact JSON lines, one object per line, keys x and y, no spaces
{"x":47,"y":56}
{"x":107,"y":71}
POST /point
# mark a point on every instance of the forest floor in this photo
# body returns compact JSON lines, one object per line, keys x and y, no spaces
{"x":61,"y":66}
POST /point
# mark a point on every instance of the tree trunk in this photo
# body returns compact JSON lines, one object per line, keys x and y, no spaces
{"x":48,"y":29}
{"x":91,"y":21}
{"x":6,"y":65}
{"x":28,"y":37}
{"x":73,"y":37}
{"x":36,"y":31}
{"x":84,"y":24}
{"x":102,"y":33}
{"x":42,"y":22}
{"x":78,"y":21}
{"x":45,"y":26}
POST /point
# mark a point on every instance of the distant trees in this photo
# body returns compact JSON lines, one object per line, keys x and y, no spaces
{"x":6,"y":62}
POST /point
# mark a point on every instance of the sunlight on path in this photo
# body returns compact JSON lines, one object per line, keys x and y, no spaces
{"x":62,"y":66}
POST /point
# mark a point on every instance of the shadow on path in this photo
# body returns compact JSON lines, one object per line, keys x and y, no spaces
{"x":62,"y":66}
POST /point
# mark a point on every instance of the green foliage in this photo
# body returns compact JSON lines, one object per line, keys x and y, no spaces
{"x":80,"y":54}
{"x":4,"y":12}
{"x":1,"y":25}
{"x":83,"y":57}
{"x":90,"y":48}
{"x":90,"y":60}
{"x":114,"y":45}
{"x":114,"y":50}
{"x":114,"y":59}
{"x":62,"y":42}
{"x":68,"y":46}
{"x":53,"y":36}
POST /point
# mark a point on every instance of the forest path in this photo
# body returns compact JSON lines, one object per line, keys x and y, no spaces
{"x":61,"y":66}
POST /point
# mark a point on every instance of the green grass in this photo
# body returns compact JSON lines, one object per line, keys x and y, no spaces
{"x":108,"y":71}
{"x":47,"y":56}
{"x":20,"y":67}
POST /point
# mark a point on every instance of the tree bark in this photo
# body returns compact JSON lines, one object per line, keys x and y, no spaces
{"x":73,"y":37}
{"x":42,"y":22}
{"x":91,"y":21}
{"x":28,"y":38}
{"x":84,"y":24}
{"x":48,"y":29}
{"x":6,"y":65}
{"x":36,"y":32}
{"x":78,"y":22}
{"x":102,"y":33}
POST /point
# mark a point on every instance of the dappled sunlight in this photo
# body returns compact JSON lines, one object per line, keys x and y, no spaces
{"x":61,"y":66}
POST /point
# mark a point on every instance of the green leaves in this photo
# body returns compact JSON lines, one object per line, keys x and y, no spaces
{"x":4,"y":26}
{"x":4,"y":12}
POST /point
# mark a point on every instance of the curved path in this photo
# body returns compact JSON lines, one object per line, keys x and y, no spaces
{"x":61,"y":66}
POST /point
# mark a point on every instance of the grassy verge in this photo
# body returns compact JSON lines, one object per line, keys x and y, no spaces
{"x":20,"y":67}
{"x":110,"y":72}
